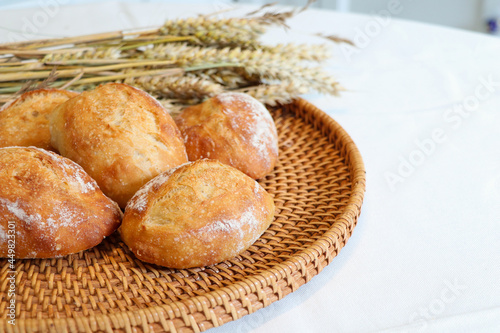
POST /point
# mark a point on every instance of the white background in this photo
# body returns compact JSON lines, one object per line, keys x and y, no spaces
{"x":425,"y":256}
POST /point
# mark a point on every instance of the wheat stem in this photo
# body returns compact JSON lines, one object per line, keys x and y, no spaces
{"x":76,"y":71}
{"x":188,"y":88}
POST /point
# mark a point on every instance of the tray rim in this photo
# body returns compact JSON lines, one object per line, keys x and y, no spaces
{"x":185,"y":310}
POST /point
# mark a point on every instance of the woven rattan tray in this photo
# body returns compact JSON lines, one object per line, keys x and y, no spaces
{"x":318,"y":186}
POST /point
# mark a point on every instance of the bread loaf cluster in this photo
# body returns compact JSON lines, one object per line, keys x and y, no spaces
{"x":120,"y":148}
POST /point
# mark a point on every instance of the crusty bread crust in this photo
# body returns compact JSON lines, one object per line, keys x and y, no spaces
{"x":198,"y":214}
{"x":24,"y":122}
{"x":57,"y":209}
{"x":120,"y":135}
{"x":233,"y":128}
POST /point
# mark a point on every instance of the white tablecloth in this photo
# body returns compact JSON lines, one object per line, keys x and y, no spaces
{"x":423,"y":106}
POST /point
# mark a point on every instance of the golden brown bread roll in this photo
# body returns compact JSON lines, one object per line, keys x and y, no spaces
{"x":198,"y":214}
{"x":233,"y":128}
{"x":49,"y":206}
{"x":120,"y":135}
{"x":24,"y":122}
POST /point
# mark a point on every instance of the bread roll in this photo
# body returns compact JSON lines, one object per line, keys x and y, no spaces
{"x":233,"y":128}
{"x":199,"y":214}
{"x":120,"y":135}
{"x":24,"y":122}
{"x":49,"y":207}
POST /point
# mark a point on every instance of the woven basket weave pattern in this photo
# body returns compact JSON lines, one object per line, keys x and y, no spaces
{"x":317,"y":185}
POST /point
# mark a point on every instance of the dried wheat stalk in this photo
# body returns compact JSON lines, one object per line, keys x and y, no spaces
{"x":189,"y":87}
{"x":182,"y":62}
{"x":263,"y":63}
{"x":92,"y":53}
{"x":213,"y":31}
{"x":312,"y":52}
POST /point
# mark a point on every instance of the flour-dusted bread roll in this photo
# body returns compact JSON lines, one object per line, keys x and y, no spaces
{"x":199,"y":214}
{"x":120,"y":135}
{"x":233,"y":128}
{"x":49,"y":206}
{"x":24,"y":122}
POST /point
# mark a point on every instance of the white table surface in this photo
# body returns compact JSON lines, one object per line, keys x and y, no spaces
{"x":425,"y":255}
